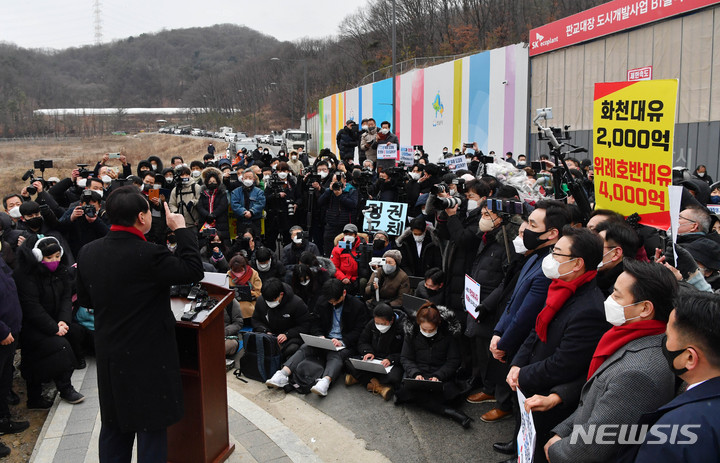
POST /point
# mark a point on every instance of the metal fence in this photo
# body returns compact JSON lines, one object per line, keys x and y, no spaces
{"x":409,"y":64}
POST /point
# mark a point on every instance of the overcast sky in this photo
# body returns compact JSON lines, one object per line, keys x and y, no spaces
{"x":69,"y":23}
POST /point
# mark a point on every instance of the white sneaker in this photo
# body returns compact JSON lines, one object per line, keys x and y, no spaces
{"x":279,"y":380}
{"x":321,"y":387}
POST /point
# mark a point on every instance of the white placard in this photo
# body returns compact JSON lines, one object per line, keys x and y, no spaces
{"x":385,"y":215}
{"x":456,"y":163}
{"x":472,"y":296}
{"x":527,"y":435}
{"x":387,"y":151}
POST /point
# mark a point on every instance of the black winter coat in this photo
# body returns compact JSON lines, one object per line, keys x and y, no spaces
{"x":127,"y":282}
{"x":464,"y":240}
{"x":347,"y":140}
{"x":430,"y":255}
{"x":572,"y":337}
{"x":438,"y":356}
{"x":386,"y":345}
{"x":10,"y":309}
{"x":220,"y":210}
{"x":352,"y":321}
{"x":290,"y":318}
{"x":46,"y":299}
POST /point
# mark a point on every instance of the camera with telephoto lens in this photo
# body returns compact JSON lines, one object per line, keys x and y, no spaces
{"x":311,"y":176}
{"x":447,"y":203}
{"x":459,"y":185}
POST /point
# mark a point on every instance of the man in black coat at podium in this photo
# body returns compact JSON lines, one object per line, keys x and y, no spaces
{"x":126,"y":281}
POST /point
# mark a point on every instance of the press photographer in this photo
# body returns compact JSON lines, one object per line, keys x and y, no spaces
{"x":283,"y":195}
{"x":85,"y":221}
{"x":340,"y":202}
{"x":184,"y":198}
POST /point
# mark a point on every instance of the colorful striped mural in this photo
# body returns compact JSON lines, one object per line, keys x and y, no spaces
{"x":480,"y":98}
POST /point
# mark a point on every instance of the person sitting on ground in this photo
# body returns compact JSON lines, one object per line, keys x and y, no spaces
{"x":233,"y":320}
{"x":340,"y":318}
{"x":306,"y":285}
{"x":388,"y":283}
{"x":214,"y":255}
{"x":246,"y":283}
{"x":50,"y":343}
{"x":291,"y":253}
{"x":628,"y":375}
{"x":382,"y":339}
{"x":268,"y":265}
{"x":431,"y":289}
{"x":283,"y":314}
{"x":431,"y":351}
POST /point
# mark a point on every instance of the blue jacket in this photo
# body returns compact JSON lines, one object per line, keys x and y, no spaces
{"x":526,"y":302}
{"x":698,"y":406}
{"x":257,"y":203}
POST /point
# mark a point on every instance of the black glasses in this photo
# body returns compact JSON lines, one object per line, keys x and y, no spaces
{"x":552,"y":251}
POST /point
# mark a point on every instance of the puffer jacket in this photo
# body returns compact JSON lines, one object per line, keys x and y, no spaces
{"x":438,"y":356}
{"x":392,"y":287}
{"x":430,"y":255}
{"x":386,"y":345}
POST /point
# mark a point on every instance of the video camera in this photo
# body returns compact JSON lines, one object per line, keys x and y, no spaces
{"x":311,"y":176}
{"x":83,"y":171}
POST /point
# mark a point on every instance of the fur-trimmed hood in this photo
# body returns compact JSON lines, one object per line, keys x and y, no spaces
{"x":450,"y":324}
{"x":327,"y":264}
{"x":430,"y":229}
{"x":211,"y":170}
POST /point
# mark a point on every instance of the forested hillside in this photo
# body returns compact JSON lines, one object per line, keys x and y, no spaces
{"x":226,"y":70}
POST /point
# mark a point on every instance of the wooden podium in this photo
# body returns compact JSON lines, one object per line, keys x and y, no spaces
{"x":202,"y":436}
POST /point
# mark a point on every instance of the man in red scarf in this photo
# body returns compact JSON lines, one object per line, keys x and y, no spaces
{"x":551,"y":365}
{"x":628,"y":375}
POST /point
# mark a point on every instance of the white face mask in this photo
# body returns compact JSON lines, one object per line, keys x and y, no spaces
{"x":382,"y":328}
{"x":364,"y":127}
{"x":195,"y":173}
{"x":615,"y":313}
{"x":282,"y":175}
{"x":106,"y":179}
{"x":428,"y":335}
{"x":169,"y":179}
{"x":272,"y":304}
{"x":293,"y":157}
{"x":153,"y":166}
{"x":349,"y":238}
{"x":264,"y":267}
{"x":100,"y":192}
{"x":519,"y":245}
{"x":419,"y":238}
{"x":472,"y":205}
{"x":388,"y":269}
{"x":172,"y":247}
{"x":322,"y":173}
{"x":82,"y":182}
{"x":701,"y":174}
{"x":415,"y":175}
{"x":297,"y":239}
{"x":247,"y":182}
{"x":485,"y":224}
{"x":551,"y":267}
{"x":384,"y":131}
{"x":15,"y":212}
{"x":602,"y":262}
{"x":305,"y":283}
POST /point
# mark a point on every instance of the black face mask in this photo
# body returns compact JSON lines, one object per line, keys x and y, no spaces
{"x":671,"y":355}
{"x":35,"y":223}
{"x":211,"y":186}
{"x":532,"y":240}
{"x":379,"y":244}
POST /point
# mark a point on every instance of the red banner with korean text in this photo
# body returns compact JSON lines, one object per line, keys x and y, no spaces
{"x":605,"y":19}
{"x":633,"y":127}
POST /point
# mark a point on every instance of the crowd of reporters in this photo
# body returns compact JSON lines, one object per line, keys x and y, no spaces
{"x":579,"y":309}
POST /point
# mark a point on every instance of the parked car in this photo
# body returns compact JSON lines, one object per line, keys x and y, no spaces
{"x":277,"y":140}
{"x":196,"y":132}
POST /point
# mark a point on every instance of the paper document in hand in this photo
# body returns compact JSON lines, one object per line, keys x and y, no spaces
{"x":526,"y":436}
{"x":319,"y":342}
{"x":373,"y":366}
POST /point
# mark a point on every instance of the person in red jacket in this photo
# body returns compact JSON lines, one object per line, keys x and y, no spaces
{"x":346,"y":256}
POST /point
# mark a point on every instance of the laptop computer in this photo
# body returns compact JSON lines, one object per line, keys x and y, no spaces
{"x":422,"y":385}
{"x":411,"y":304}
{"x":320,"y":343}
{"x":415,"y":281}
{"x":373,"y":366}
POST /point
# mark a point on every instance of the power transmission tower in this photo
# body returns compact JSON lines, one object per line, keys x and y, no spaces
{"x":98,"y":23}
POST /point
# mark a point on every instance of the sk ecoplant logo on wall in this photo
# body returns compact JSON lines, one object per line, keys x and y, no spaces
{"x":439,"y":109}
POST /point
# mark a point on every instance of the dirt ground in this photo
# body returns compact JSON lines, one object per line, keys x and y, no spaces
{"x":16,"y":157}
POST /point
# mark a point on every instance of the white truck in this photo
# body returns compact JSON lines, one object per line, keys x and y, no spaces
{"x":292,"y":139}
